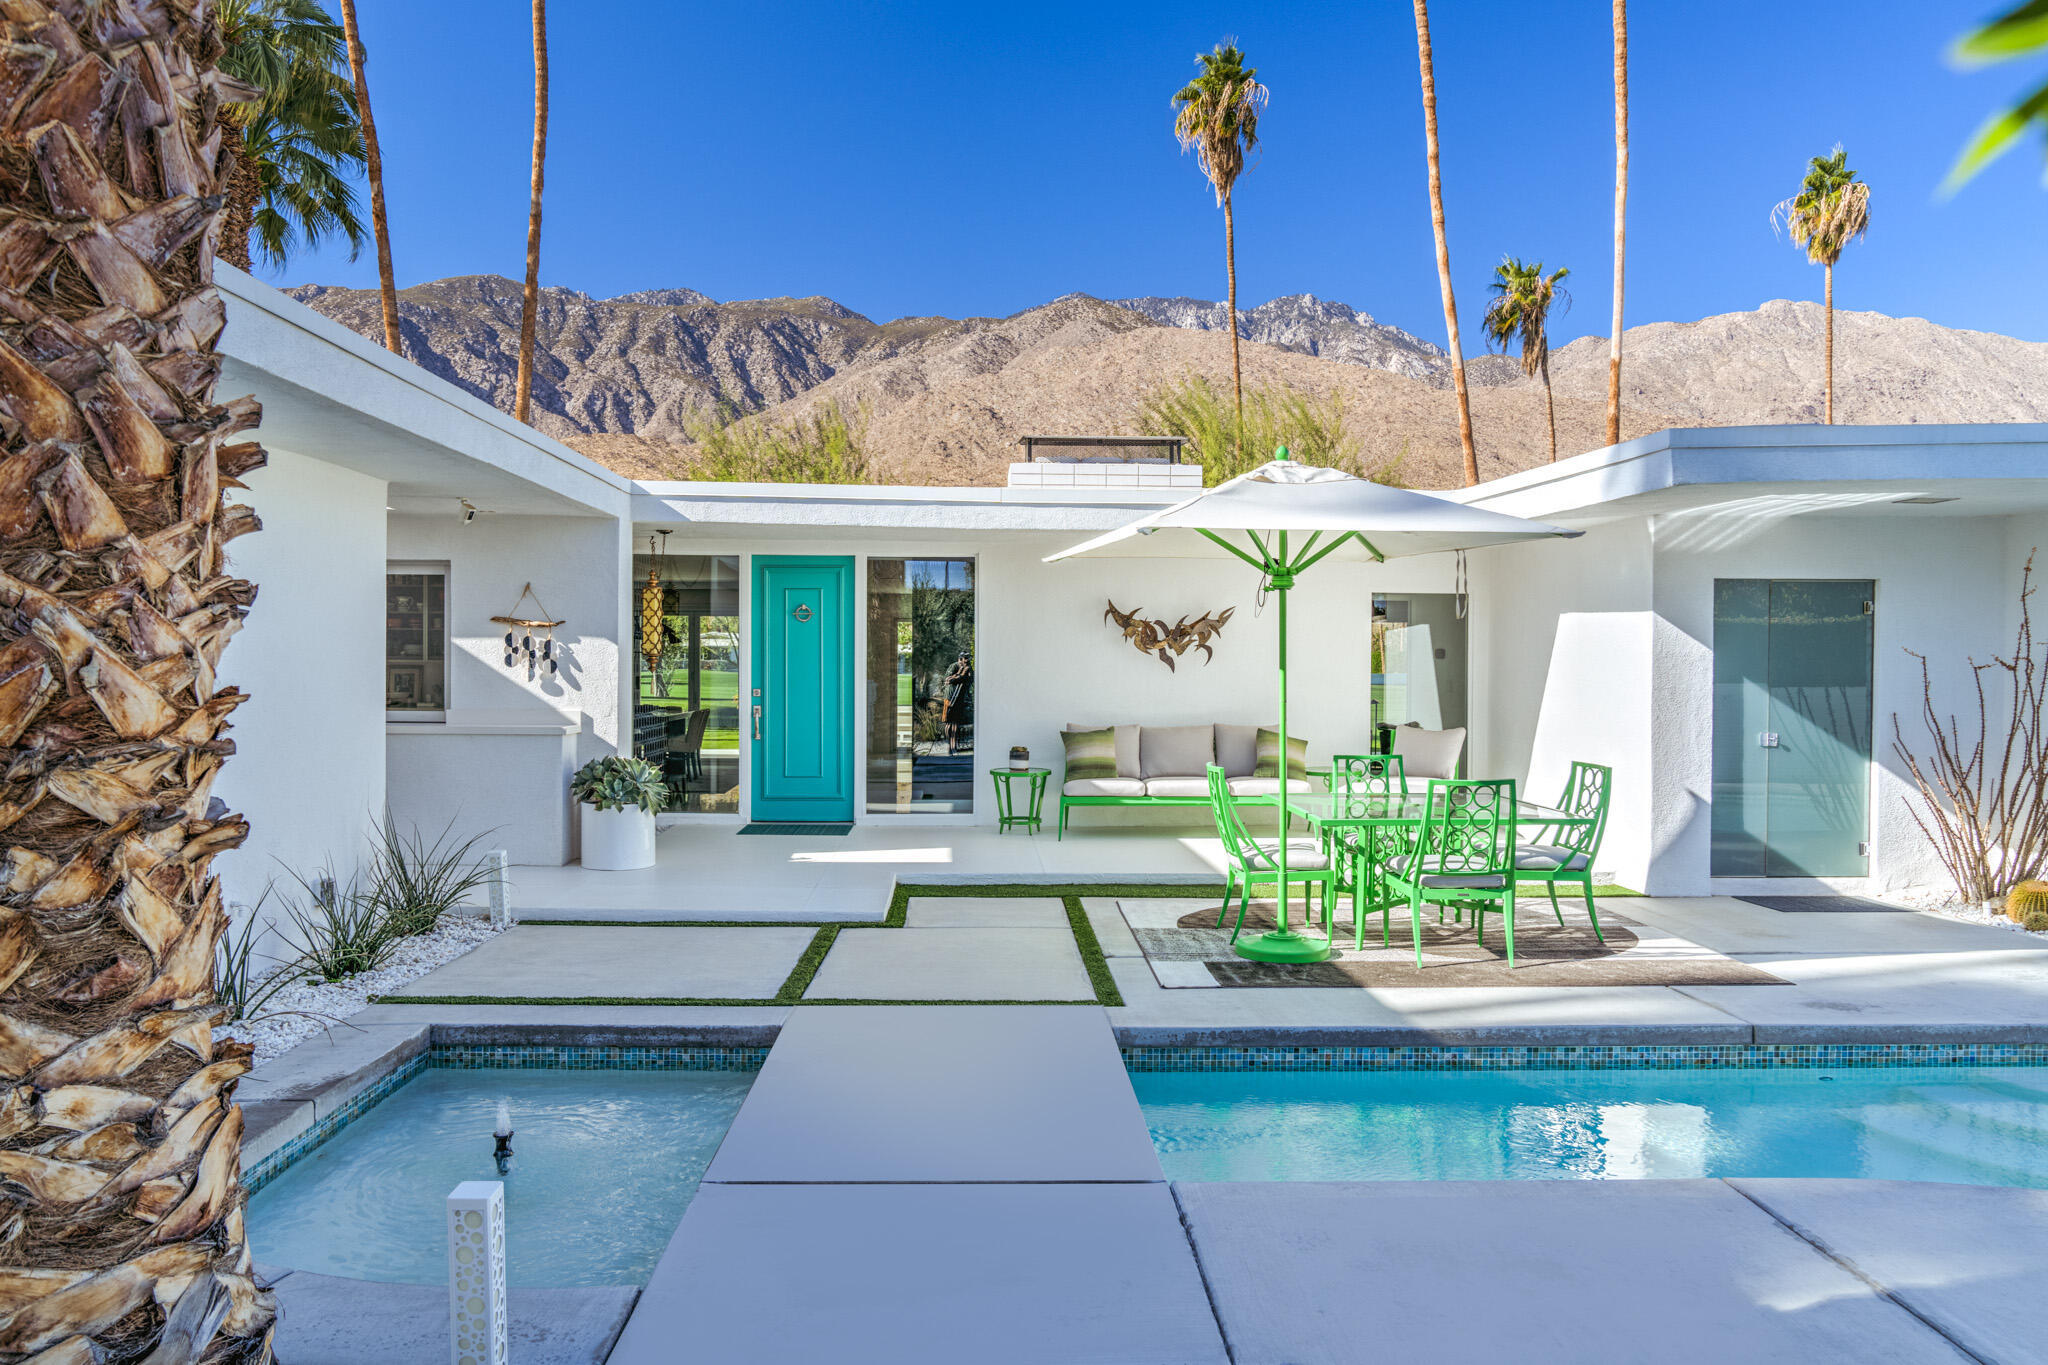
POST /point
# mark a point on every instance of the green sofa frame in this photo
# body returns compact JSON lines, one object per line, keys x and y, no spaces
{"x":1066,"y":801}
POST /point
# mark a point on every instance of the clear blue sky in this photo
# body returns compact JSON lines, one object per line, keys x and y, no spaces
{"x":916,"y":158}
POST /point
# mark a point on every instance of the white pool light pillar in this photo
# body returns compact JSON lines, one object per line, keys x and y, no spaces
{"x":477,"y":1328}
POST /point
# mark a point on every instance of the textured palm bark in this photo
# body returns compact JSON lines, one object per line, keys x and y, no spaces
{"x":1620,"y":217}
{"x":121,"y":1205}
{"x":373,"y":167}
{"x":529,"y":308}
{"x":1829,"y":399}
{"x":1236,"y":366}
{"x":1443,"y":245}
{"x":244,"y":189}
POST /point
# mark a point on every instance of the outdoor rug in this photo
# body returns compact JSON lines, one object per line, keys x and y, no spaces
{"x":1185,"y":949}
{"x":1824,"y":905}
{"x":796,"y":829}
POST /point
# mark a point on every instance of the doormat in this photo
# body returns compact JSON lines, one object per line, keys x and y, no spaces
{"x":1185,"y":949}
{"x":1824,"y":905}
{"x":796,"y":829}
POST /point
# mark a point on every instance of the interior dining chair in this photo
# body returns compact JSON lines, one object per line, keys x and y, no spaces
{"x":1565,"y":853}
{"x":1258,"y":860}
{"x":1462,"y":853}
{"x":1356,"y":779}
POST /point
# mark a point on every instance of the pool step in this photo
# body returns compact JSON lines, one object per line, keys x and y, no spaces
{"x":1993,"y":1112}
{"x":1949,"y":1147}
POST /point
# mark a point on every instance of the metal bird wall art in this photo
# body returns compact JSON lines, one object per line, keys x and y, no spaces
{"x":1166,"y":642}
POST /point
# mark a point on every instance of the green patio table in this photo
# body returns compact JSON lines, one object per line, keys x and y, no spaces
{"x":1334,"y":815}
{"x":1008,"y":814}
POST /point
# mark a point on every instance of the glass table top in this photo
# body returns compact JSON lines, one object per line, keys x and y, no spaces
{"x":1331,"y":808}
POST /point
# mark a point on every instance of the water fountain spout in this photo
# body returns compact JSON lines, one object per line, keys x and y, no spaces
{"x":503,"y":1154}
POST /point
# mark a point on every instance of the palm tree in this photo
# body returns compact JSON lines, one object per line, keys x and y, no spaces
{"x":1520,"y":313}
{"x":1443,"y":247}
{"x":1831,"y":210}
{"x":1216,"y":116}
{"x":373,"y":160}
{"x":529,"y":307}
{"x":1620,"y":221}
{"x":122,"y":1227}
{"x":2021,"y":30}
{"x":298,"y":144}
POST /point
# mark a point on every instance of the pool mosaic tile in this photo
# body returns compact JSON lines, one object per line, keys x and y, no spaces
{"x":1663,"y":1057}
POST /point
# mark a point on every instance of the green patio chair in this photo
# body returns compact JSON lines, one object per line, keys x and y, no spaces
{"x":1565,"y":853}
{"x":1463,"y":854}
{"x":1364,"y":776}
{"x":1257,"y":860}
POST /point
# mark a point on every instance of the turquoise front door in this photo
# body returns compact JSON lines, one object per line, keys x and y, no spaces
{"x":800,"y":710}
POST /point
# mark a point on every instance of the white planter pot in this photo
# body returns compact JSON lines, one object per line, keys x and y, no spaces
{"x":617,"y":840}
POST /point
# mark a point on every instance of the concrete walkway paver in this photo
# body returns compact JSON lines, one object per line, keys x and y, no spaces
{"x":1534,"y":1271}
{"x":909,"y":1274}
{"x":940,"y":1093}
{"x":612,"y":961}
{"x":1963,"y":1257}
{"x":985,"y":912}
{"x":953,"y":964}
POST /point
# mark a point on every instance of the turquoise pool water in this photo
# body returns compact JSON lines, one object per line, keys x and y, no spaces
{"x":1976,"y":1125}
{"x":606,"y":1163}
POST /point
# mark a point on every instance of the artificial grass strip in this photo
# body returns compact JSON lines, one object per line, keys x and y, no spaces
{"x":945,"y":1002}
{"x":694,"y":923}
{"x":561,"y":1000}
{"x":799,"y":979}
{"x":1058,"y":890}
{"x":1092,"y":956}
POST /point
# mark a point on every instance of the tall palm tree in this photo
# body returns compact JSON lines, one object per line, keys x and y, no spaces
{"x":1216,"y":116}
{"x":373,"y":161}
{"x":298,"y":144}
{"x":529,"y":307}
{"x":1620,"y":218}
{"x":2019,"y":31}
{"x":1443,"y":247}
{"x":1520,"y":314}
{"x":122,"y":1230}
{"x":1831,"y":210}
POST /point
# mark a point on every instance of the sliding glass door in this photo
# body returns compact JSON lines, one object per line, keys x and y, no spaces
{"x":686,"y":698}
{"x":921,"y":685}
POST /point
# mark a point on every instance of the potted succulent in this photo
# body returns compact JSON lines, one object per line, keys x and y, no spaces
{"x":619,"y":798}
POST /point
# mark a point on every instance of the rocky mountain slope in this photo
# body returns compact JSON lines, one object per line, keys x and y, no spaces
{"x":625,"y":379}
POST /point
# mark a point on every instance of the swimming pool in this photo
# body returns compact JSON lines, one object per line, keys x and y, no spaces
{"x":1985,"y":1125}
{"x":605,"y":1163}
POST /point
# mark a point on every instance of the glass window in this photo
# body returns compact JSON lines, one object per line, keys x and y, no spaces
{"x":1418,"y":661}
{"x":416,"y":642}
{"x":686,"y":717}
{"x":921,"y":685}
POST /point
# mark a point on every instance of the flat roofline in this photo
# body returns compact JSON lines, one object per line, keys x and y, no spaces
{"x":1056,"y":495}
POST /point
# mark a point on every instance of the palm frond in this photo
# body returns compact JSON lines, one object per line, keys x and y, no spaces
{"x":1831,"y":209}
{"x":1216,"y":115}
{"x":1519,"y":313}
{"x":2018,"y":32}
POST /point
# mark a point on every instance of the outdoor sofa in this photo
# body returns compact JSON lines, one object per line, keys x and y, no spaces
{"x":1167,"y":765}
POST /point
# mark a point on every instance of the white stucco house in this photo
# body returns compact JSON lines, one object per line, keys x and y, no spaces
{"x":1731,"y":634}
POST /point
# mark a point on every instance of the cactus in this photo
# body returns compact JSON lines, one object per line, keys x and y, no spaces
{"x":2028,"y":902}
{"x":2035,"y":921}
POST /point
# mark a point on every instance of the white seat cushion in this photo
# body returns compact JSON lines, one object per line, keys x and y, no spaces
{"x":1304,"y":855}
{"x":1265,"y":786}
{"x":1104,"y":786}
{"x":1177,"y":786}
{"x":1429,"y":753}
{"x":1448,"y":881}
{"x":1548,"y":858}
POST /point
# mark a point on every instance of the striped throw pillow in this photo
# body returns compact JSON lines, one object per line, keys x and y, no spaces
{"x":1090,"y":754}
{"x":1269,"y":756}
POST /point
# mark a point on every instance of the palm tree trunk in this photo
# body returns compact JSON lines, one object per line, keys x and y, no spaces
{"x":1550,"y":405}
{"x":530,"y":306}
{"x":373,"y":165}
{"x":1620,"y":217}
{"x":122,"y":1228}
{"x":1829,"y":402}
{"x":1443,"y":249}
{"x":244,"y":191}
{"x":1236,"y":370}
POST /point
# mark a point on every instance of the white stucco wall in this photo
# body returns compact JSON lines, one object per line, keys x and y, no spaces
{"x":479,"y":770}
{"x":309,"y":771}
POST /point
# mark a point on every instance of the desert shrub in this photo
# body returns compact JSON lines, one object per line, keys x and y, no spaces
{"x":417,"y":879}
{"x":243,"y":982}
{"x":341,"y":927}
{"x":1312,"y":427}
{"x":826,"y":445}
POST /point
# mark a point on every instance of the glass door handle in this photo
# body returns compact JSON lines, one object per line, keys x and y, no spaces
{"x":757,"y":722}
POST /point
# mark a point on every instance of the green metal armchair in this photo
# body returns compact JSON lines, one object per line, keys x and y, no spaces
{"x":1258,"y":860}
{"x":1463,"y":853}
{"x":1565,"y":853}
{"x":1361,"y":778}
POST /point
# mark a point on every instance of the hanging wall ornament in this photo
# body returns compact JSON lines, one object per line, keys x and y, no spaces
{"x":539,"y":655}
{"x":651,"y":633}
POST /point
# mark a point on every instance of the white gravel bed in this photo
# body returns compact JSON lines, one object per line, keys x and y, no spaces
{"x":322,"y":1004}
{"x":1941,"y":900}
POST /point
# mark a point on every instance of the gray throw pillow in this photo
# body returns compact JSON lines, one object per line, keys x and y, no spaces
{"x":1175,"y":750}
{"x":1126,"y":746}
{"x":1237,"y":749}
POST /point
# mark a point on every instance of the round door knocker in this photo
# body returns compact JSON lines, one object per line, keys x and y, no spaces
{"x":802,"y":613}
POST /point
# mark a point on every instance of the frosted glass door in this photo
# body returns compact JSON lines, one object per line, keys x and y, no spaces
{"x":1792,"y":711}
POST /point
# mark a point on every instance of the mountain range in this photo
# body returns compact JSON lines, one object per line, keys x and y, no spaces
{"x":626,"y":379}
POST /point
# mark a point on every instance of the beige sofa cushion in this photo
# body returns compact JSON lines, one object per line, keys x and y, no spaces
{"x":1126,"y":749}
{"x":1429,"y":753}
{"x":1104,"y":786}
{"x":1176,"y":786}
{"x":1237,"y":749}
{"x":1176,"y":751}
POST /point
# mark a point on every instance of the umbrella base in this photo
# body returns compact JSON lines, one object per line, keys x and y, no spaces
{"x":1284,"y":945}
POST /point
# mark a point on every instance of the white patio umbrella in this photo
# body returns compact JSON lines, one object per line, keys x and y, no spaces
{"x":1281,"y":518}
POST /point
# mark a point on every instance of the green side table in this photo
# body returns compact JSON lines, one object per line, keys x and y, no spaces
{"x":1008,"y":813}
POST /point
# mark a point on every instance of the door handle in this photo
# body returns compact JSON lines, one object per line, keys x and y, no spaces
{"x":757,"y":722}
{"x":1767,"y":739}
